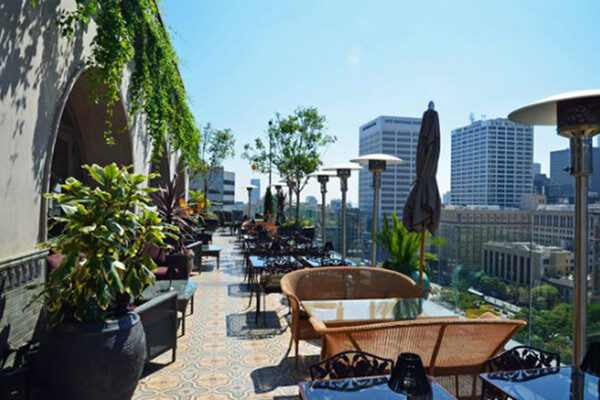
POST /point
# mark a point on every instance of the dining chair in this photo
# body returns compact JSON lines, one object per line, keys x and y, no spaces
{"x":523,"y":357}
{"x":350,"y":364}
{"x":591,"y":361}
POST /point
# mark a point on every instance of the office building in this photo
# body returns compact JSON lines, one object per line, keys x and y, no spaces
{"x":562,"y":184}
{"x":221,"y":187}
{"x":255,"y":196}
{"x":447,"y":198}
{"x":397,"y":136}
{"x":492,"y":163}
{"x":523,"y":262}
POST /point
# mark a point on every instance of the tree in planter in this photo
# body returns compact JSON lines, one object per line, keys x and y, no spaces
{"x":268,"y":204}
{"x":216,"y":146}
{"x":105,"y":231}
{"x":280,"y":198}
{"x":294,"y":146}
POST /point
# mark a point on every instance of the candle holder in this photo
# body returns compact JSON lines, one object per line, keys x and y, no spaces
{"x":408,"y":376}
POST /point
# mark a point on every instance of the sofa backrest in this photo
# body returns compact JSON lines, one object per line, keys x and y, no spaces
{"x":339,"y":283}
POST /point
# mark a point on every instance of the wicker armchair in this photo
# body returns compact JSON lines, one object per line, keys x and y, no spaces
{"x":160,"y":322}
{"x":338,"y":283}
{"x":448,"y":346}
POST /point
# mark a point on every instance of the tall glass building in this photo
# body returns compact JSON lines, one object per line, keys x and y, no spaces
{"x":491,"y":163}
{"x":397,"y":136}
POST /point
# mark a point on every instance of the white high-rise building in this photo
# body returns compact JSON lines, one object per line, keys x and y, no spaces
{"x":491,"y":163}
{"x":397,"y":136}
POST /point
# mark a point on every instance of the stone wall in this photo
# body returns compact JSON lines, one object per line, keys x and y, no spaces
{"x":21,"y":278}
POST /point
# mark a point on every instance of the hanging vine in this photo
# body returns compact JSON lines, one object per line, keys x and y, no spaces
{"x":130,"y":32}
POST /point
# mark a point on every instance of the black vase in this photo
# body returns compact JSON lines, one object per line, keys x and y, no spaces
{"x":408,"y":376}
{"x":93,"y":361}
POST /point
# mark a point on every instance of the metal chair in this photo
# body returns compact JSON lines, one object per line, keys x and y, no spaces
{"x":523,"y":357}
{"x":350,"y":364}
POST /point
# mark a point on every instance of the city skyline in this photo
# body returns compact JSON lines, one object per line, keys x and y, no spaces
{"x":242,"y":62}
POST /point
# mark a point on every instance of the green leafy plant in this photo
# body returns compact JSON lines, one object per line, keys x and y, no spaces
{"x":268,"y":204}
{"x":104,"y":234}
{"x":303,"y":223}
{"x":403,"y":247}
{"x":216,"y":146}
{"x":132,"y":33}
{"x":294,"y":146}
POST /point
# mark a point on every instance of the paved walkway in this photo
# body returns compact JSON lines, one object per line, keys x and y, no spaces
{"x":223,"y":354}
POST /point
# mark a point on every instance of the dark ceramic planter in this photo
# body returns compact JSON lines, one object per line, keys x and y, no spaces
{"x":93,"y":361}
{"x":308,"y":232}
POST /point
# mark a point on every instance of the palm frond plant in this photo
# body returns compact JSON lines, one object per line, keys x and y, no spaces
{"x":402,"y":246}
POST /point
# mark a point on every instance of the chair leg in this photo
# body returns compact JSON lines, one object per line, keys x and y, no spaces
{"x":174,"y":355}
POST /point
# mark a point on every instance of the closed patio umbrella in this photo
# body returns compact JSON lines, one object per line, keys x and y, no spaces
{"x":422,"y":209}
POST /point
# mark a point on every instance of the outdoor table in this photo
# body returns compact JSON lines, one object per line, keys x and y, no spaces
{"x":261,"y":266}
{"x":355,"y":310}
{"x":211,"y":250}
{"x":317,"y":261}
{"x":368,"y":388}
{"x":567,"y":382}
{"x":185,"y":294}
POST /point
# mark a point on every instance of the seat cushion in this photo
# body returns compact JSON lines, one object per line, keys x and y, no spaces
{"x":54,"y":260}
{"x":162,"y":273}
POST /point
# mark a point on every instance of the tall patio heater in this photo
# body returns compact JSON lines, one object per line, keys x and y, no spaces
{"x":343,"y":172}
{"x":323,"y":178}
{"x":250,"y":188}
{"x":290,"y":184}
{"x":377,"y":164}
{"x":577,"y":117}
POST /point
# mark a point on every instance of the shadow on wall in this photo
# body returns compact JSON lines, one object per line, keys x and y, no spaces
{"x":33,"y":61}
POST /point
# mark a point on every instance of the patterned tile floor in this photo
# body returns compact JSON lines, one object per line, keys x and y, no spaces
{"x":223,"y":354}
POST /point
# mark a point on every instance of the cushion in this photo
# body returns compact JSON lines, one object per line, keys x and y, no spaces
{"x":54,"y":260}
{"x":162,"y":273}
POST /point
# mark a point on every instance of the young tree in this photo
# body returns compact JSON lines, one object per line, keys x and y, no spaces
{"x":294,"y":146}
{"x":216,"y":146}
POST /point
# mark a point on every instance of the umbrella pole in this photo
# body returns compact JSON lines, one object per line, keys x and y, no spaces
{"x":422,"y":256}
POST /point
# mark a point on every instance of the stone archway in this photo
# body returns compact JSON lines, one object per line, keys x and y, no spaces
{"x":79,"y":139}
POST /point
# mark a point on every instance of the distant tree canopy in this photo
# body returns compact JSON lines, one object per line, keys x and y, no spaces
{"x":293,"y":145}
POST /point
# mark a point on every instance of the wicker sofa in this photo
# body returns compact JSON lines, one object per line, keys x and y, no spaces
{"x":340,"y":283}
{"x":448,"y":346}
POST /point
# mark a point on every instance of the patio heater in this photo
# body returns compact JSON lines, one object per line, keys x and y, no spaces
{"x":250,"y":188}
{"x":577,"y":117}
{"x":377,"y":164}
{"x":323,"y":178}
{"x":343,"y":172}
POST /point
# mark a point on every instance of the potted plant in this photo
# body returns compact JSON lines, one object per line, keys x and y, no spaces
{"x":167,"y":202}
{"x":268,"y":205}
{"x":95,"y":347}
{"x":307,"y":228}
{"x":402,"y":248}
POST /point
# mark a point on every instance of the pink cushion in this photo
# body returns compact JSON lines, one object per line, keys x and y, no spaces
{"x":54,"y":261}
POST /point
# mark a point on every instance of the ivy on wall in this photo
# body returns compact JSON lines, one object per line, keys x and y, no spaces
{"x":130,"y":32}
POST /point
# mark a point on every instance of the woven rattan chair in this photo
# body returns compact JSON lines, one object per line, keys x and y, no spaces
{"x":340,"y":283}
{"x":350,"y":364}
{"x":448,"y":346}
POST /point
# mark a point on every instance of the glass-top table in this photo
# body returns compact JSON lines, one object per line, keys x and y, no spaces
{"x":386,"y":309}
{"x":318,"y":261}
{"x":368,"y":388}
{"x":562,"y":383}
{"x":185,"y":294}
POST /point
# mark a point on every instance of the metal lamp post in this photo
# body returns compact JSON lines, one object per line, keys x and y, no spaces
{"x":250,"y":188}
{"x":343,"y":172}
{"x":577,"y":117}
{"x":323,"y":178}
{"x":377,"y":164}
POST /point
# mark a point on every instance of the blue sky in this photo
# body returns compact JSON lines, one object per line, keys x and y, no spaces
{"x":244,"y":60}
